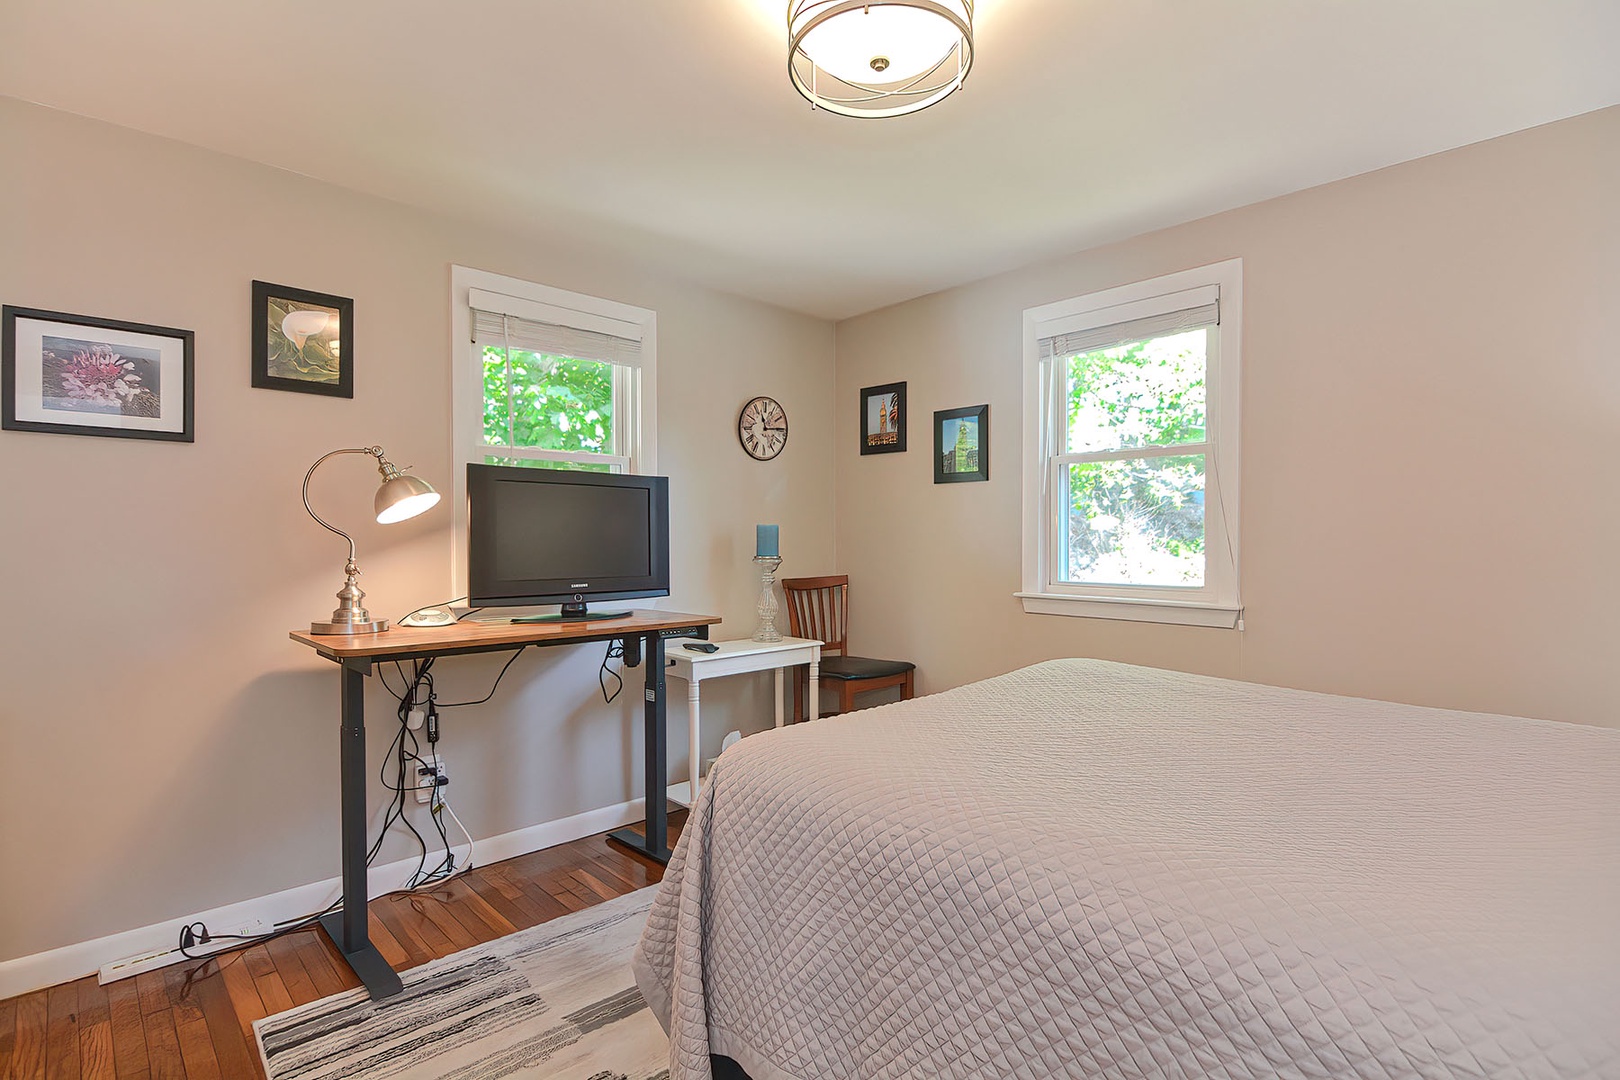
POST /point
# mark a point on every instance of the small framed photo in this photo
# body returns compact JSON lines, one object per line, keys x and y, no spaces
{"x":883,"y":419}
{"x":78,"y":375}
{"x":302,"y":341}
{"x":962,"y":445}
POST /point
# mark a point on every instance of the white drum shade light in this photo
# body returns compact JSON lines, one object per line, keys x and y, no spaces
{"x":878,"y":57}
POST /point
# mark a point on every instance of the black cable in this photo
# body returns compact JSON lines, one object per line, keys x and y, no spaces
{"x":492,"y":689}
{"x":615,"y":649}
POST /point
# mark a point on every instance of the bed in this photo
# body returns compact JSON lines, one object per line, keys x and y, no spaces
{"x":1086,"y":869}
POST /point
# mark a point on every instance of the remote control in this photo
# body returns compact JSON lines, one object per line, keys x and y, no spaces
{"x":702,"y":646}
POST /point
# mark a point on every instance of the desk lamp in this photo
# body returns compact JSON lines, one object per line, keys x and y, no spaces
{"x":401,"y":496}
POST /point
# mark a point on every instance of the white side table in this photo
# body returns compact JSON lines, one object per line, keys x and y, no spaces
{"x":734,"y":658}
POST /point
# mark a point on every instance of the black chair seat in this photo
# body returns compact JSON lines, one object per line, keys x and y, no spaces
{"x":861,"y":667}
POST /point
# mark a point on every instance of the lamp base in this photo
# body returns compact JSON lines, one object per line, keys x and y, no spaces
{"x":350,"y":617}
{"x":349,"y":627}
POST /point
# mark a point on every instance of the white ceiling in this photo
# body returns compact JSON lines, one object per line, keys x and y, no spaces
{"x":666,"y":130}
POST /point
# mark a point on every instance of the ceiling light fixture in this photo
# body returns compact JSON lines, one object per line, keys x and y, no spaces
{"x":878,"y":57}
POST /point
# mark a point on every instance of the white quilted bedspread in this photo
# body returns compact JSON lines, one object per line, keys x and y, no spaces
{"x":1084,"y":869}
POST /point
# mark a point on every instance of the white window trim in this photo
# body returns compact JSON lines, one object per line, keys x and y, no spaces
{"x":1219,"y":603}
{"x":638,"y":387}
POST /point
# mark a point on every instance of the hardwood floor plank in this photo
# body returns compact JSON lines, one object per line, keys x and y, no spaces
{"x":406,"y":909}
{"x":152,"y":991}
{"x":62,"y":1033}
{"x":128,"y":1034}
{"x":416,"y":949}
{"x":433,"y":910}
{"x":324,"y":963}
{"x":223,"y":1016}
{"x":163,"y":1046}
{"x":180,"y":983}
{"x":8,"y":1035}
{"x":290,"y":967}
{"x":623,"y":872}
{"x":543,"y":902}
{"x":197,"y":1050}
{"x":463,"y":904}
{"x":246,"y":1004}
{"x":95,"y":1032}
{"x":392,"y":951}
{"x":514,"y":908}
{"x":596,"y":885}
{"x":28,"y":1053}
{"x":96,"y":1052}
{"x":272,"y":990}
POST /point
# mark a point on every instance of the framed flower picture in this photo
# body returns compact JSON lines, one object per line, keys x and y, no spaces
{"x":302,"y":341}
{"x":78,"y":375}
{"x":883,"y":419}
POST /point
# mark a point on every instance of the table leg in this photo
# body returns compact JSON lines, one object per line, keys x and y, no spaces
{"x":815,"y":686}
{"x":347,"y":928}
{"x":780,"y":698}
{"x":655,"y":844}
{"x":693,"y":737}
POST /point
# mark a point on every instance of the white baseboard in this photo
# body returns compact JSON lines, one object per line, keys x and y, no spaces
{"x":28,"y":973}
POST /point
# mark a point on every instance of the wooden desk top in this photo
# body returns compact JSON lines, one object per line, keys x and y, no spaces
{"x":406,"y":642}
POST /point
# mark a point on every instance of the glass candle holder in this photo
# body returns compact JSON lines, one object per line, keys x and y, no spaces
{"x":768,"y":565}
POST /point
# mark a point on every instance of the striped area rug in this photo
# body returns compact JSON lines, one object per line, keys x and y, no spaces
{"x":557,"y":1001}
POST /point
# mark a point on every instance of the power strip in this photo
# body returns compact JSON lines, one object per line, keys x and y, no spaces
{"x":134,"y":965}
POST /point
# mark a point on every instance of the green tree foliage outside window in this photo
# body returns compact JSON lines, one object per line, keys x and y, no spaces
{"x":1137,"y":521}
{"x":557,"y":403}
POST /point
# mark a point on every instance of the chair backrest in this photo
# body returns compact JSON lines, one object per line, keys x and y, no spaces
{"x":818,"y":607}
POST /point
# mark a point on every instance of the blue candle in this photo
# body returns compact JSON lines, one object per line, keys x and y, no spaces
{"x":766,"y":545}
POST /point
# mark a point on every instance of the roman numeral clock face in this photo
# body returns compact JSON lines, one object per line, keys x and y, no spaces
{"x":762,"y":428}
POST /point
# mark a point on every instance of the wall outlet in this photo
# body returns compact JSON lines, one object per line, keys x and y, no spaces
{"x":425,"y":777}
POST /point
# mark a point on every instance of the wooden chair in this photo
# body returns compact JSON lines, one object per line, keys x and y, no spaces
{"x":818,"y":608}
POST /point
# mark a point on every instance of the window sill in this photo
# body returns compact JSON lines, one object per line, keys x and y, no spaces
{"x":1177,"y":612}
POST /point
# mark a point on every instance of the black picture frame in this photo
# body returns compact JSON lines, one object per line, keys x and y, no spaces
{"x":890,"y":434}
{"x":284,"y":360}
{"x":66,"y":374}
{"x":954,"y":463}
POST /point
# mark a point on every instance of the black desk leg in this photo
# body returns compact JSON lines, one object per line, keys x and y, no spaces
{"x":655,"y":844}
{"x":347,"y":928}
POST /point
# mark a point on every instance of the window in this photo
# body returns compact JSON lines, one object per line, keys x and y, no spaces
{"x":1130,"y":456}
{"x":547,"y":379}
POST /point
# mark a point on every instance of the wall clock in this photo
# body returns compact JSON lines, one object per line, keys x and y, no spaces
{"x":762,"y":428}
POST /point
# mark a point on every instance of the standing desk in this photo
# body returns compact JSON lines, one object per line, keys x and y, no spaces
{"x":643,"y":634}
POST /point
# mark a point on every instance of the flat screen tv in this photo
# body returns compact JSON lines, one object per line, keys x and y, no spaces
{"x":554,"y":536}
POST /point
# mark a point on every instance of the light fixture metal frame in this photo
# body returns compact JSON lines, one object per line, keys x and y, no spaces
{"x":916,"y":93}
{"x":351,"y":616}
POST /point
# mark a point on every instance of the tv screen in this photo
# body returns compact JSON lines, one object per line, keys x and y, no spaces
{"x":552,"y":536}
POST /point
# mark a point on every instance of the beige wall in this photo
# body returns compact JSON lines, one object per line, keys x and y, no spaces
{"x":164,"y":747}
{"x":1431,"y":395}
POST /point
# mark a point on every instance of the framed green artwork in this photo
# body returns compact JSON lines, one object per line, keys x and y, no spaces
{"x":302,"y":341}
{"x":962,"y":445}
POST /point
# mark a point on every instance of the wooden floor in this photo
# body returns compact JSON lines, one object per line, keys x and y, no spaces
{"x":160,"y":1026}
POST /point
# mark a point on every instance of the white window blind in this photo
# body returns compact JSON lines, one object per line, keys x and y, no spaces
{"x":1090,"y":334}
{"x":510,"y":331}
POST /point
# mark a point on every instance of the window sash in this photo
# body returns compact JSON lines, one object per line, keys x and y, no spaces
{"x":1056,"y":459}
{"x":1057,"y":579}
{"x":625,"y":403}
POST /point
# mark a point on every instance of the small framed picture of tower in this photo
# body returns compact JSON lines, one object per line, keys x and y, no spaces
{"x":883,"y":419}
{"x":962,"y":445}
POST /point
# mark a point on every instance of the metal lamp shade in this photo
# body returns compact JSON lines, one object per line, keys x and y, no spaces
{"x":403,"y":497}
